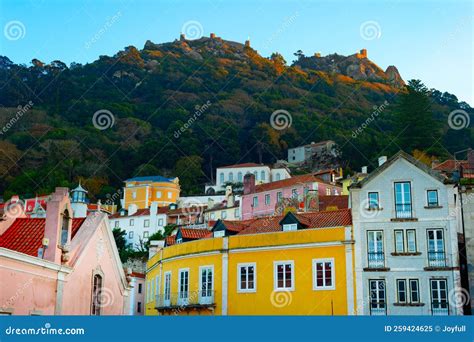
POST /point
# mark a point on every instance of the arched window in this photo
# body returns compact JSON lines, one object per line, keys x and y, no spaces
{"x":231,"y":177}
{"x":256,"y":175}
{"x":96,"y":295}
{"x":65,"y":228}
{"x":221,"y":177}
{"x":262,"y":175}
{"x":239,"y":177}
{"x":278,"y":177}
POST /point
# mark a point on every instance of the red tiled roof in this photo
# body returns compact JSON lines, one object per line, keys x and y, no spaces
{"x":137,"y":275}
{"x":236,"y":166}
{"x":339,"y":202}
{"x":25,"y":235}
{"x":170,"y":240}
{"x":284,"y":183}
{"x":450,"y":165}
{"x":319,"y":219}
{"x":189,"y":233}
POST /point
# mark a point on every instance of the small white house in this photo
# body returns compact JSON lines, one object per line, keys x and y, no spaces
{"x":140,"y":224}
{"x":407,"y":259}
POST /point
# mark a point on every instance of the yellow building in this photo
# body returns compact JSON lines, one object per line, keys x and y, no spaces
{"x":299,"y":264}
{"x":142,"y":191}
{"x":351,"y":180}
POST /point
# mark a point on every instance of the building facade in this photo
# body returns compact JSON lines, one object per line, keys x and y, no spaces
{"x":302,"y":154}
{"x":264,"y":199}
{"x":142,"y":191}
{"x":137,"y":294}
{"x":235,"y":174}
{"x":298,"y":264}
{"x":407,"y":260}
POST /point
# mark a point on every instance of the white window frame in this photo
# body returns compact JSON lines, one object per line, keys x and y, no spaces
{"x":290,"y":227}
{"x":247,"y":265}
{"x":255,"y":201}
{"x":267,"y":199}
{"x":167,"y":288}
{"x":407,"y":294}
{"x":131,"y":222}
{"x":212,"y":216}
{"x":158,"y":194}
{"x":170,"y":195}
{"x":219,"y":233}
{"x":275,"y":275}
{"x":146,"y":234}
{"x":315,"y":274}
{"x":206,"y":299}
{"x":402,"y":233}
{"x":236,"y":213}
{"x":160,"y":222}
{"x":146,"y":223}
{"x":183,"y":300}
{"x":408,"y":231}
{"x":223,"y":214}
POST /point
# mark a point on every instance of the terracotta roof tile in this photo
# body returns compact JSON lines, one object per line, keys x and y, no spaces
{"x":284,"y":183}
{"x":450,"y":165}
{"x":189,"y":233}
{"x":25,"y":235}
{"x":333,"y":202}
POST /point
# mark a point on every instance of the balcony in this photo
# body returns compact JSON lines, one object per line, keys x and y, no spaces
{"x":403,"y":212}
{"x":189,"y":300}
{"x":439,"y":308}
{"x":376,"y":261}
{"x":436,"y":259}
{"x":378,"y":309}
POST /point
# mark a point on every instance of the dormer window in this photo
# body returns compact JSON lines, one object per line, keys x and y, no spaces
{"x":219,"y":233}
{"x":290,"y":227}
{"x":180,"y":240}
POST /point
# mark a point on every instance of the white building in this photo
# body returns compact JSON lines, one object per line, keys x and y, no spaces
{"x":407,"y":260}
{"x":139,"y":224}
{"x":236,"y":173}
{"x":304,"y":153}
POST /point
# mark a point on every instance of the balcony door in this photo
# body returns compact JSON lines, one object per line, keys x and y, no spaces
{"x":436,"y":254}
{"x":375,"y":249}
{"x":403,"y":205}
{"x":439,"y":297}
{"x":377,"y":297}
{"x":183,"y":286}
{"x":206,"y":285}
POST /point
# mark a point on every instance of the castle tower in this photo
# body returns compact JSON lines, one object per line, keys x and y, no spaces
{"x":79,"y":201}
{"x":247,"y":43}
{"x":182,"y":37}
{"x":363,"y":53}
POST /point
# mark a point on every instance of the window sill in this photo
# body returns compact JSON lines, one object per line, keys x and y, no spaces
{"x":443,"y":268}
{"x":433,"y":206}
{"x":406,"y":254}
{"x":374,"y":209}
{"x":411,"y":219}
{"x":408,"y":304}
{"x":378,"y":269}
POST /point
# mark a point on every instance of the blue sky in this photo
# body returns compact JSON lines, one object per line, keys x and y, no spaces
{"x":429,"y":40}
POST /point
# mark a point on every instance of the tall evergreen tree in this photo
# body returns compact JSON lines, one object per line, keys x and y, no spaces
{"x":415,"y":126}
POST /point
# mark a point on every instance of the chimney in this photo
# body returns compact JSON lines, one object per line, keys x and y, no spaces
{"x":249,"y":183}
{"x":58,"y":226}
{"x":382,"y":160}
{"x":229,"y":196}
{"x":132,"y":209}
{"x":154,"y":209}
{"x":155,"y":246}
{"x":364,"y":169}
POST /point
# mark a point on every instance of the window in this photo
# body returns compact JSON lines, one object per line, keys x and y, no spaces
{"x":179,"y":240}
{"x":219,"y":233}
{"x":236,"y":213}
{"x":432,"y":196}
{"x":377,"y":297}
{"x":148,"y":290}
{"x":206,"y":284}
{"x":436,"y":256}
{"x":145,"y":234}
{"x":255,"y":174}
{"x":403,"y":207}
{"x":167,"y":289}
{"x":96,"y":295}
{"x":170,"y":195}
{"x":246,"y":277}
{"x":117,"y":224}
{"x":328,"y":192}
{"x":152,"y":290}
{"x":183,"y":286}
{"x":402,"y":290}
{"x":267,"y":199}
{"x":130,"y":235}
{"x":255,"y":202}
{"x":224,"y":215}
{"x":277,"y":176}
{"x":132,"y":222}
{"x":139,"y":288}
{"x":279,"y":196}
{"x":262,"y":175}
{"x":213,"y":216}
{"x":221,"y":177}
{"x":157,"y":286}
{"x":146,"y":223}
{"x":399,"y":241}
{"x":284,"y":275}
{"x":160,"y":222}
{"x":411,"y":241}
{"x":239,"y":177}
{"x":323,"y":274}
{"x":158,"y":194}
{"x":134,"y":195}
{"x":290,"y":227}
{"x":375,"y":248}
{"x":439,"y":297}
{"x":414,"y":291}
{"x":374,"y":200}
{"x":294,"y":193}
{"x":139,"y":306}
{"x":231,"y":176}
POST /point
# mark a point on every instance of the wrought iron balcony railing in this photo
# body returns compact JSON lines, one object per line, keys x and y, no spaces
{"x":436,"y":259}
{"x":403,"y":211}
{"x":376,"y":259}
{"x":185,"y":299}
{"x":440,"y":308}
{"x":378,"y":308}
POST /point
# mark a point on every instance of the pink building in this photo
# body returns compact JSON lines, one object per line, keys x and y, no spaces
{"x":137,"y":294}
{"x":60,"y":265}
{"x":263,"y":199}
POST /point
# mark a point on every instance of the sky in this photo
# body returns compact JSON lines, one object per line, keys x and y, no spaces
{"x":427,"y":40}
